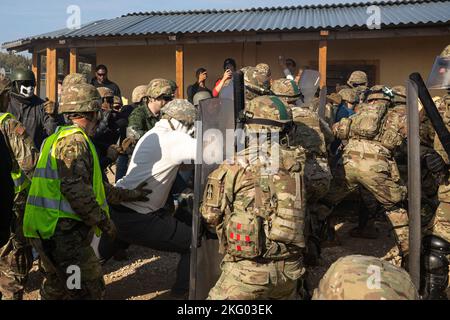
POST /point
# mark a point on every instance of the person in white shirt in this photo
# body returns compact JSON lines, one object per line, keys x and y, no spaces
{"x":155,"y":161}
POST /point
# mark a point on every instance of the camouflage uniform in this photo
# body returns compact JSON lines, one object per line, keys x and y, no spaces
{"x":70,"y":243}
{"x":16,"y":256}
{"x":258,"y":213}
{"x":358,"y":277}
{"x":436,"y":243}
{"x":257,"y":83}
{"x":358,"y":82}
{"x":312,"y":135}
{"x":368,"y":160}
{"x":142,"y":119}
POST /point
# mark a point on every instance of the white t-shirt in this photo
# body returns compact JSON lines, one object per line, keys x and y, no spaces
{"x":156,"y":159}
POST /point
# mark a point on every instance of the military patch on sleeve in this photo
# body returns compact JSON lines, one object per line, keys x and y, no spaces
{"x":213,"y":193}
{"x":20,"y":130}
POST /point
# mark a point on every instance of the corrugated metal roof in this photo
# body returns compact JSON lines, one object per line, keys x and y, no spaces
{"x":336,"y":16}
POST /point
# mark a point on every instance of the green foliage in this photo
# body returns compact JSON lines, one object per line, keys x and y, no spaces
{"x":11,"y":62}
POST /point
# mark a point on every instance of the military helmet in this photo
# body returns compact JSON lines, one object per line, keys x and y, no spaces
{"x":446,"y":52}
{"x":348,"y":95}
{"x":264,"y":68}
{"x":173,"y":85}
{"x":158,"y":88}
{"x":80,"y":98}
{"x":380,"y":92}
{"x":399,"y":95}
{"x":257,"y":81}
{"x":267,"y":113}
{"x":23,"y":75}
{"x":354,"y":277}
{"x":139,"y":93}
{"x":286,"y":89}
{"x":5,"y":84}
{"x":201,"y":95}
{"x":73,"y":78}
{"x":181,"y":110}
{"x":105,"y":92}
{"x":357,"y":78}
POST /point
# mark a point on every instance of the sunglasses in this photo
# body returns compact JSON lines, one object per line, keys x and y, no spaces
{"x":167,"y":98}
{"x":101,"y":74}
{"x":109,"y":100}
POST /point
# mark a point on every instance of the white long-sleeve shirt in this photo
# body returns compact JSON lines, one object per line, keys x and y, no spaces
{"x":156,"y":159}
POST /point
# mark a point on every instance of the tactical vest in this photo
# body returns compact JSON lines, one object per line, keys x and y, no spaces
{"x":308,"y":133}
{"x":268,"y":224}
{"x":367,"y":122}
{"x":46,"y":204}
{"x":21,"y":182}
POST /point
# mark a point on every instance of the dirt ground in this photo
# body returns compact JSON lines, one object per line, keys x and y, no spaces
{"x":149,"y":274}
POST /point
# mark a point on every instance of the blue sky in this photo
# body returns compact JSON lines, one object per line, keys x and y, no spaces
{"x":24,"y":18}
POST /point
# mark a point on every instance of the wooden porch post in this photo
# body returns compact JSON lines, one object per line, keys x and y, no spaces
{"x":73,"y":61}
{"x":36,"y":68}
{"x":179,"y":70}
{"x":323,"y":46}
{"x":52,"y":74}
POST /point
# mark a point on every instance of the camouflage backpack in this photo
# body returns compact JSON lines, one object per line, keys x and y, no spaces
{"x":266,"y":222}
{"x":366,"y":123}
{"x":393,"y":131}
{"x":307,"y":131}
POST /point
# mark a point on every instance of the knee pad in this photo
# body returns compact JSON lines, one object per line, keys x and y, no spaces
{"x":435,"y":267}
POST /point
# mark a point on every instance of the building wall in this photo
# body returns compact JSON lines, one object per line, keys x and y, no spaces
{"x":396,"y":57}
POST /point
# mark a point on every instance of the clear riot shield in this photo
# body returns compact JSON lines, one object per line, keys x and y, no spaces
{"x":414,"y":182}
{"x":308,"y":84}
{"x":439,"y":77}
{"x":216,"y":116}
{"x":227,"y":90}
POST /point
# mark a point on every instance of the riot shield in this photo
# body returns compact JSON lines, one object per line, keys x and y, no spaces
{"x":414,"y":182}
{"x":227,"y":90}
{"x":308,"y":84}
{"x":439,"y":77}
{"x":216,"y":116}
{"x":322,"y":102}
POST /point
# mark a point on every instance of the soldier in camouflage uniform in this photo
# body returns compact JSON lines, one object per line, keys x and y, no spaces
{"x":72,"y":176}
{"x":358,"y":82}
{"x":147,"y":113}
{"x":264,"y":68}
{"x":358,"y":277}
{"x":16,"y":256}
{"x":257,"y":83}
{"x":313,"y":135}
{"x":368,"y":161}
{"x":436,"y":243}
{"x":257,"y":204}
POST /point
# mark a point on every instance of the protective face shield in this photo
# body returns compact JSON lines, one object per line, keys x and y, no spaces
{"x":25,"y":88}
{"x":439,"y":77}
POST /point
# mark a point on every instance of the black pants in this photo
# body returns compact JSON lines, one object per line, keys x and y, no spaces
{"x":158,"y":230}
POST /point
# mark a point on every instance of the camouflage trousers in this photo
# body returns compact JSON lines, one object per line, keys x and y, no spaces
{"x":440,"y":224}
{"x":380,"y":177}
{"x":249,"y":280}
{"x":70,"y":250}
{"x":16,"y":258}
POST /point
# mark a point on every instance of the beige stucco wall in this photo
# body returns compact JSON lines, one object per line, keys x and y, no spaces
{"x":397,"y":57}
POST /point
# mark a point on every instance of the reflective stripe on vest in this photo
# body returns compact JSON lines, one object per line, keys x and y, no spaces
{"x":45,"y":203}
{"x":21,"y":182}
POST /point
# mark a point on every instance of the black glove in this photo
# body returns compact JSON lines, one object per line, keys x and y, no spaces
{"x":139,"y":193}
{"x":435,"y":163}
{"x":107,"y":226}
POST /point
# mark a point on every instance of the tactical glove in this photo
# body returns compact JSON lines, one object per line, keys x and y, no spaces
{"x":113,"y":152}
{"x":50,"y":108}
{"x":435,"y":163}
{"x":128,"y":145}
{"x":107,"y":226}
{"x":138,"y":194}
